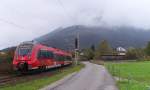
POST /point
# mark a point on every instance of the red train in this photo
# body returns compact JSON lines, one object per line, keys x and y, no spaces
{"x":30,"y":55}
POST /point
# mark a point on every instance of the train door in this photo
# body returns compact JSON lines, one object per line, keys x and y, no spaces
{"x":45,"y":58}
{"x":42,"y":57}
{"x":57,"y":60}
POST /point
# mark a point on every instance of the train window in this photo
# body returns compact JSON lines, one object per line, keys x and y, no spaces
{"x":50,"y":54}
{"x":59,"y":57}
{"x":62,"y":58}
{"x":68,"y":58}
{"x":56,"y":57}
{"x":40,"y":54}
{"x":45,"y":54}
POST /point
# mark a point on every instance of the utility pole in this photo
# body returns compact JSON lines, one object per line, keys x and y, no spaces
{"x":76,"y":49}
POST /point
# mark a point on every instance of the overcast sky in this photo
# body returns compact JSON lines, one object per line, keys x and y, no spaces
{"x":23,"y":20}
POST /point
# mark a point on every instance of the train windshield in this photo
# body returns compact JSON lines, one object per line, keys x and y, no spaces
{"x":24,"y":50}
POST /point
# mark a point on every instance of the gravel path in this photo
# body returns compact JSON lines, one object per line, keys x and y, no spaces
{"x":92,"y":77}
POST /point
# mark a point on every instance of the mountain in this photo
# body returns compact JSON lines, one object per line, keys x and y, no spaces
{"x":13,"y":48}
{"x":117,"y":36}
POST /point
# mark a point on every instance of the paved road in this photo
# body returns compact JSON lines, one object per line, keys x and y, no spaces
{"x":92,"y":77}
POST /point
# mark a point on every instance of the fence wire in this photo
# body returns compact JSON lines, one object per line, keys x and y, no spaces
{"x":129,"y":83}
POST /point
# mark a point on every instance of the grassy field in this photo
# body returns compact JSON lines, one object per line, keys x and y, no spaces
{"x":133,"y":75}
{"x":39,"y":83}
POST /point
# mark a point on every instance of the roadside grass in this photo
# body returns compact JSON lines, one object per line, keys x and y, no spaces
{"x":39,"y":83}
{"x":132,"y":85}
{"x":134,"y":75}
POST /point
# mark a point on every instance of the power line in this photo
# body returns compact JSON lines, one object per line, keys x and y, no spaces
{"x":21,"y":27}
{"x":14,"y":24}
{"x":65,"y":10}
{"x":11,"y":23}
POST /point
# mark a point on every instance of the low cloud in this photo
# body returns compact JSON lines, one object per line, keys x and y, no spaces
{"x":22,"y":20}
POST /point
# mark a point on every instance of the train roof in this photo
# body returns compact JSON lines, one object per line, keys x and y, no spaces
{"x":29,"y":42}
{"x":55,"y":50}
{"x":62,"y":52}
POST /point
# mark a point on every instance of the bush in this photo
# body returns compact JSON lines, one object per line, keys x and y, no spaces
{"x":6,"y":62}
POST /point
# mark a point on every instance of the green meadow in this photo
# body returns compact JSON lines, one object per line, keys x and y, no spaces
{"x":131,"y":75}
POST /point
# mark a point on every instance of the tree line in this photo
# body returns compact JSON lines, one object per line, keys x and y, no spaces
{"x":104,"y":48}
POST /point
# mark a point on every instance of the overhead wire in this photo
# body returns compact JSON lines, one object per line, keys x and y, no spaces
{"x":65,"y":10}
{"x":71,"y":18}
{"x":21,"y":27}
{"x":12,"y":23}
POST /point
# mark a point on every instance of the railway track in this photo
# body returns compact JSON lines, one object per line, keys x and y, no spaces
{"x":6,"y":80}
{"x":12,"y":80}
{"x":15,"y":79}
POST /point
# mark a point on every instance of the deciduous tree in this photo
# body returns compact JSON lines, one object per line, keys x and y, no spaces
{"x":147,"y":49}
{"x":103,"y":49}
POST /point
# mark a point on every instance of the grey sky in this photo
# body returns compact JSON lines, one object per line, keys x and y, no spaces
{"x":22,"y":20}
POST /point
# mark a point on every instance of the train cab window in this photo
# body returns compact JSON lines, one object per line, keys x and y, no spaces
{"x":24,"y":50}
{"x":44,"y":54}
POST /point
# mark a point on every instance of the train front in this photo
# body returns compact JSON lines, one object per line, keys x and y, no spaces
{"x":22,"y":57}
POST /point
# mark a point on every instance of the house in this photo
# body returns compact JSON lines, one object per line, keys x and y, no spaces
{"x":119,"y":55}
{"x":121,"y":51}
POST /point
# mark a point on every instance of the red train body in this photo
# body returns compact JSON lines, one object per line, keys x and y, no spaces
{"x":29,"y":55}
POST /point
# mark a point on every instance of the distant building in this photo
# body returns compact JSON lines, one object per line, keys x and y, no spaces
{"x":119,"y":55}
{"x":121,"y":51}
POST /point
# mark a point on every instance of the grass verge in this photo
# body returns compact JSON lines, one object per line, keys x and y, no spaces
{"x":133,"y":75}
{"x":39,"y":83}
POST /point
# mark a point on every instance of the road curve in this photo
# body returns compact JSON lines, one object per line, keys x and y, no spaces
{"x":92,"y":77}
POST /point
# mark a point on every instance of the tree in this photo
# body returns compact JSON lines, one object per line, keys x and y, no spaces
{"x":103,"y":49}
{"x":88,"y":54}
{"x":131,"y":54}
{"x":147,"y":49}
{"x":135,"y":53}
